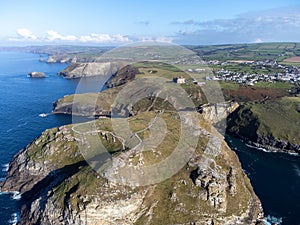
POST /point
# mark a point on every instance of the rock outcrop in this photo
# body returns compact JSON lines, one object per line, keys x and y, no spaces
{"x":78,"y":70}
{"x":58,"y":187}
{"x":124,"y":75}
{"x":37,"y":75}
{"x":219,"y":111}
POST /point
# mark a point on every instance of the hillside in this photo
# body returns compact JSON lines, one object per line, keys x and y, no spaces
{"x":59,"y":187}
{"x":273,"y":125}
{"x":157,"y":78}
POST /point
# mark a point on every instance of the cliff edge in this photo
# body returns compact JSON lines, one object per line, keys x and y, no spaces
{"x":272,"y":125}
{"x":78,"y":70}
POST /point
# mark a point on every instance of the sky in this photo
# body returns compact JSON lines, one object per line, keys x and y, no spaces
{"x":118,"y":22}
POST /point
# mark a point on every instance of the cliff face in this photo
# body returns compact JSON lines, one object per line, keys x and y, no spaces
{"x":78,"y":70}
{"x":219,"y":111}
{"x":124,"y":75}
{"x":269,"y":125}
{"x":58,"y":187}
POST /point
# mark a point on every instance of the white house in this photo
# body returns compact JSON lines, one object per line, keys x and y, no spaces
{"x":179,"y":80}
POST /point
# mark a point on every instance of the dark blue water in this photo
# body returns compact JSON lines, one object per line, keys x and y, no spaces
{"x":276,"y":180}
{"x":22,"y":99}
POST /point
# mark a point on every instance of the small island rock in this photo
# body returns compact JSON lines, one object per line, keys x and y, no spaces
{"x":37,"y":74}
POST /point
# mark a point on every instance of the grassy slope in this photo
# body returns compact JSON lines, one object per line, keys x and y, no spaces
{"x":76,"y":189}
{"x":279,"y":118}
{"x":106,"y":98}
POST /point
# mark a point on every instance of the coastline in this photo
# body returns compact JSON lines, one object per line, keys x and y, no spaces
{"x":264,"y":149}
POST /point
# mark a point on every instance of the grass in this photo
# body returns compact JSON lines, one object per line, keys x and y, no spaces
{"x":260,"y":51}
{"x":105,"y":99}
{"x":286,"y":113}
{"x":277,"y":118}
{"x":276,"y":85}
{"x":297,"y":64}
{"x":229,"y":85}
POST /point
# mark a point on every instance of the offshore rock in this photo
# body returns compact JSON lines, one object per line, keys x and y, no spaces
{"x":37,"y":75}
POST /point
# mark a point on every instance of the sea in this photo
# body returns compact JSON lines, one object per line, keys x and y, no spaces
{"x":25,"y":112}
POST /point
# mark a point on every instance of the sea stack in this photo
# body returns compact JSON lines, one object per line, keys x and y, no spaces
{"x":37,"y":75}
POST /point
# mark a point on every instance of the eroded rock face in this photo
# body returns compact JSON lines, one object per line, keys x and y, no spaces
{"x":78,"y":70}
{"x":123,"y":76}
{"x":218,"y":112}
{"x":215,"y":185}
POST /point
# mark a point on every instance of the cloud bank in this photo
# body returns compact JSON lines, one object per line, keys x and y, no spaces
{"x":265,"y":26}
{"x":26,"y":35}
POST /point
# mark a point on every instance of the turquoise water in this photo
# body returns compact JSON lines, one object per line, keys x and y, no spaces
{"x":275,"y":177}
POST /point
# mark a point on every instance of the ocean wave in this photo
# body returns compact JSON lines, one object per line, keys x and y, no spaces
{"x":5,"y":167}
{"x":43,"y":115}
{"x":269,"y":220}
{"x":14,"y":219}
{"x":9,"y":130}
{"x":23,"y":124}
{"x":16,"y":195}
{"x":2,"y":179}
{"x":269,"y":151}
{"x":296,"y":169}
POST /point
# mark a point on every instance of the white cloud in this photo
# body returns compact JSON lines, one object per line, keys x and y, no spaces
{"x":258,"y":40}
{"x":164,"y":39}
{"x":26,"y":34}
{"x":103,"y":38}
{"x":53,"y":36}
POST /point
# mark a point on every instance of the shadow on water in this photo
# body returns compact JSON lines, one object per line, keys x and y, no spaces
{"x":275,"y":178}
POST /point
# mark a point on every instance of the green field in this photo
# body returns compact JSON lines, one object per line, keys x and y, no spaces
{"x":261,"y":51}
{"x":277,"y":85}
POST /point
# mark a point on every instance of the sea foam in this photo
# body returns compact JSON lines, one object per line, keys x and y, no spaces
{"x":5,"y":167}
{"x":14,"y":219}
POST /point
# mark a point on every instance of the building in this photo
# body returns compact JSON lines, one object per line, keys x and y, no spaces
{"x":179,"y":80}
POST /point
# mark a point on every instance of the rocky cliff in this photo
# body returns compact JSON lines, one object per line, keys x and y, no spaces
{"x":124,"y":75}
{"x":219,"y":111}
{"x":59,"y":187}
{"x":78,"y":70}
{"x":272,"y":125}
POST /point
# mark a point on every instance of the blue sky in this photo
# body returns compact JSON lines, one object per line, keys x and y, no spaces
{"x":117,"y":22}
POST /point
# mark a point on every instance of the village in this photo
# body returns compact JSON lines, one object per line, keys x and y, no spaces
{"x":281,"y":72}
